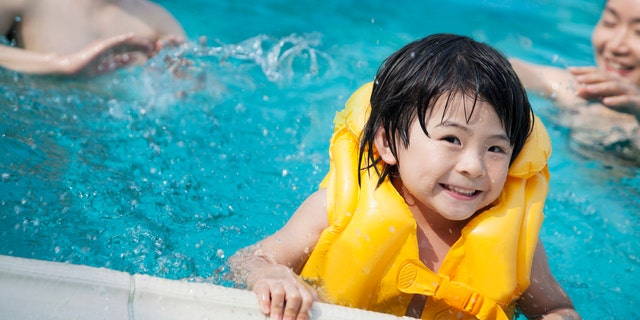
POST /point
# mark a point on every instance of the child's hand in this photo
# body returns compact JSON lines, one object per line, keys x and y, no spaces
{"x":283,"y":295}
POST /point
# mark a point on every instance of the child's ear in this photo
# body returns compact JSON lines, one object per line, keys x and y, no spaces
{"x":382,"y":145}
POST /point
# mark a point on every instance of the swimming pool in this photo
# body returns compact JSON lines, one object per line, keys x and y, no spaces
{"x":146,"y":172}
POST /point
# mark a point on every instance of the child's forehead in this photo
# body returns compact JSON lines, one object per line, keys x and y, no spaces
{"x":457,"y":96}
{"x":456,"y":102}
{"x":461,"y":108}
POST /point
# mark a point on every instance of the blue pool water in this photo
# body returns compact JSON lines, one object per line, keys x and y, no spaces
{"x":146,"y":172}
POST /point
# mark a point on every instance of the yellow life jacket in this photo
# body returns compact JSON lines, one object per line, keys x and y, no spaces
{"x":368,"y":257}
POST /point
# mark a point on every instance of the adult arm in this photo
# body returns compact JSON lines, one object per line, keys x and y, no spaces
{"x":162,"y":20}
{"x":545,"y":299}
{"x":578,"y":86}
{"x":553,"y":83}
{"x":98,"y":57}
{"x":270,"y":268}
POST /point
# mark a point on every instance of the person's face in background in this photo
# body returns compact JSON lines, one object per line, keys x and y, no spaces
{"x":616,"y":39}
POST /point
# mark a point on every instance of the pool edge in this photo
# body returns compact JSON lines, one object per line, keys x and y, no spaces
{"x":37,"y":289}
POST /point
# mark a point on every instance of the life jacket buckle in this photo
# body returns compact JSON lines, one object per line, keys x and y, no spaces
{"x":459,"y":295}
{"x":414,"y":277}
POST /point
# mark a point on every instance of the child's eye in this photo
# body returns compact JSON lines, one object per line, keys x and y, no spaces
{"x":497,"y":149}
{"x":452,"y":139}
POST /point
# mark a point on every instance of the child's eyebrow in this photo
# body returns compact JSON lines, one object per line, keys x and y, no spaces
{"x":448,"y":123}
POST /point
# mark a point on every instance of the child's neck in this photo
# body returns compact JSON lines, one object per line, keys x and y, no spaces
{"x":436,"y":235}
{"x":435,"y":239}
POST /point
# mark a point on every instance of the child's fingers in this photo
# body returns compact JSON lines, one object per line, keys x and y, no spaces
{"x":285,"y":298}
{"x":277,"y":301}
{"x":292,"y":306}
{"x":290,"y":301}
{"x":299,"y":300}
{"x":263,"y":293}
{"x":306,"y":304}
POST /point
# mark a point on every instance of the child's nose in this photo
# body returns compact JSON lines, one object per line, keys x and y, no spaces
{"x":471,"y":164}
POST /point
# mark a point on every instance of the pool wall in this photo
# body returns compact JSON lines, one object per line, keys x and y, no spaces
{"x":36,"y":289}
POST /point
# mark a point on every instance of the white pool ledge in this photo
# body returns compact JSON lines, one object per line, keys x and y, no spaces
{"x":35,"y":289}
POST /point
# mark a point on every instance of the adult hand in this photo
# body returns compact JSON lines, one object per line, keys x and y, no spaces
{"x":168,"y":42}
{"x":107,"y":55}
{"x":282,"y":294}
{"x":610,"y":89}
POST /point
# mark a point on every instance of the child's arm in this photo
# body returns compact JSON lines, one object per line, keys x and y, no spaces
{"x":545,"y":298}
{"x":270,"y":268}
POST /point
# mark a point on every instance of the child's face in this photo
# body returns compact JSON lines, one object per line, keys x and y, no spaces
{"x":462,"y":167}
{"x":616,"y":39}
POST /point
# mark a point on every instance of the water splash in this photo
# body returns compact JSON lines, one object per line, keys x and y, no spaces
{"x":197,"y":72}
{"x":276,"y":57}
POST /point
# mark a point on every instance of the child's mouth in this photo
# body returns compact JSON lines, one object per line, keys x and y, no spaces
{"x":461,"y":191}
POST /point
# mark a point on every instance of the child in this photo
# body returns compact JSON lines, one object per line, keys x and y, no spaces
{"x":88,"y":37}
{"x":433,"y":200}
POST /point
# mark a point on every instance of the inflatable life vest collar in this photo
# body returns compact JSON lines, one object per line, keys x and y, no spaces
{"x":534,"y":154}
{"x":353,"y":116}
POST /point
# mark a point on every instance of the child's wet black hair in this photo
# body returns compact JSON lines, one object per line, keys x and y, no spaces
{"x":413,"y":78}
